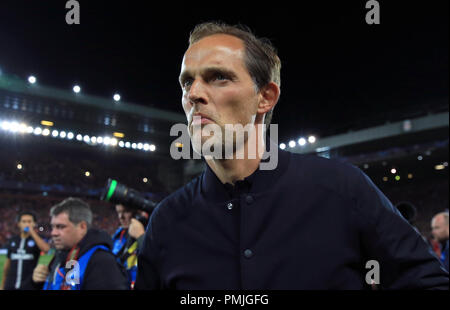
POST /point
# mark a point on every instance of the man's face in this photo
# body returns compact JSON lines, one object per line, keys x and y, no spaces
{"x":26,"y":221}
{"x":217,"y":85}
{"x":66,"y":234}
{"x":124,"y":215}
{"x":439,"y":228}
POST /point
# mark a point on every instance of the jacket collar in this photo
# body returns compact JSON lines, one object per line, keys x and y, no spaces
{"x":259,"y":181}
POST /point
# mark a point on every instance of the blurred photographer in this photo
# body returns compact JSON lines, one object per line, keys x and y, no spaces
{"x":128,"y":238}
{"x":129,"y":227}
{"x":133,"y":211}
{"x":80,"y":245}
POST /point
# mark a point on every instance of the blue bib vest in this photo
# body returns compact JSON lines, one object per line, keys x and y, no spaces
{"x":118,"y":242}
{"x":128,"y":259}
{"x":59,"y":279}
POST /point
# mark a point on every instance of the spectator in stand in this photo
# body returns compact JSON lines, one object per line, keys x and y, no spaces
{"x":439,"y":229}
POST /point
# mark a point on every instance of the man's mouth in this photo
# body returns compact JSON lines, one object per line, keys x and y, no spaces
{"x":200,"y":119}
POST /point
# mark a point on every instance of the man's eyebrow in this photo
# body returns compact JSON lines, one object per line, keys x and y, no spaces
{"x":224,"y":71}
{"x":208,"y":71}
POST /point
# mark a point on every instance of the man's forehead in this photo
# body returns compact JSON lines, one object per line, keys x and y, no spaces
{"x":61,"y":217}
{"x":214,"y":50}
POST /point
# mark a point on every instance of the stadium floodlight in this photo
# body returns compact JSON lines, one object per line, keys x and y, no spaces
{"x":76,"y":89}
{"x":121,"y":144}
{"x":6,"y":125}
{"x":23,"y":128}
{"x":37,"y":131}
{"x":146,"y":147}
{"x":302,"y":141}
{"x":311,"y":139}
{"x":79,"y":137}
{"x":282,"y":146}
{"x":62,"y":134}
{"x":113,"y":141}
{"x":55,"y":133}
{"x":133,"y":146}
{"x":86,"y":138}
{"x":152,"y":147}
{"x":45,"y":132}
{"x":292,"y":144}
{"x":127,"y":145}
{"x":100,"y":140}
{"x":393,"y":171}
{"x":14,"y":127}
{"x":70,"y":135}
{"x":31,"y":79}
{"x":93,"y":139}
{"x":30,"y":129}
{"x":116,"y":97}
{"x":106,"y":140}
{"x":140,"y":146}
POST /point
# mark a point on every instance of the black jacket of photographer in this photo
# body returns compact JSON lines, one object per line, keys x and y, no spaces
{"x":102,"y":272}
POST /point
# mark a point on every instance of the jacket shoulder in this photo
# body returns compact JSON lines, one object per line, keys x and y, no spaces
{"x":179,"y":201}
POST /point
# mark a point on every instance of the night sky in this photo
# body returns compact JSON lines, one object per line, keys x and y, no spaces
{"x":336,"y":69}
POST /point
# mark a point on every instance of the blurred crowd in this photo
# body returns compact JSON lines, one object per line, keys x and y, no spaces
{"x":82,"y":167}
{"x":429,"y":196}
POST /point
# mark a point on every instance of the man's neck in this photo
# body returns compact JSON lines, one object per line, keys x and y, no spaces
{"x":232,"y":170}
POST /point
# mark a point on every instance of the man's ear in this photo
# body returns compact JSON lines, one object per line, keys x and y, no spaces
{"x":269,"y":96}
{"x":83,"y":225}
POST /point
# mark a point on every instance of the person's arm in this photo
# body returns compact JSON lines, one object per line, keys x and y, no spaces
{"x":42,"y":245}
{"x":103,"y":273}
{"x":6,"y":267}
{"x":137,"y":231}
{"x":405,"y":259}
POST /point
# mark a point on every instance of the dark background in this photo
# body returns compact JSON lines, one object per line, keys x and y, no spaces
{"x":337,"y":71}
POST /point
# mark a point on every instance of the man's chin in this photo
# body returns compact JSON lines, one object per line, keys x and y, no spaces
{"x":59,"y":247}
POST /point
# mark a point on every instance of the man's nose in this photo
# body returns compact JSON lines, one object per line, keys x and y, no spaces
{"x":197,"y":93}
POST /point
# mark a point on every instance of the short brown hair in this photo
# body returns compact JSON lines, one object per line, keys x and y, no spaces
{"x":261,"y":59}
{"x":76,"y":209}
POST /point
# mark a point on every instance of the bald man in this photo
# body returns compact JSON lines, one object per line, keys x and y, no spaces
{"x":439,"y":230}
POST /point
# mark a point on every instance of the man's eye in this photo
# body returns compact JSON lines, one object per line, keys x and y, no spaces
{"x":220,"y":77}
{"x":187,"y":83}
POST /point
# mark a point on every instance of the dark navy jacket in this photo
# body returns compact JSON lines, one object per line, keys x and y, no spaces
{"x":312,"y":223}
